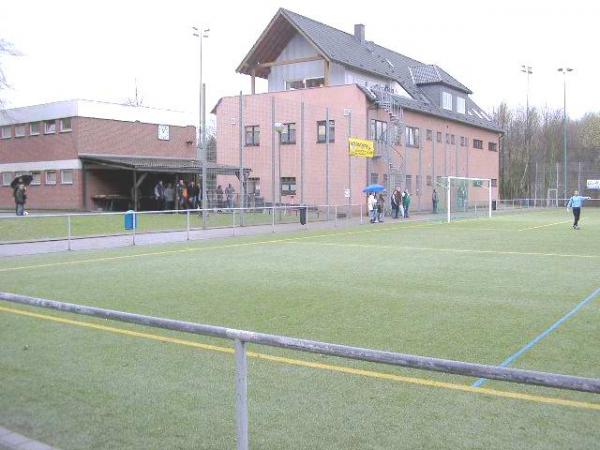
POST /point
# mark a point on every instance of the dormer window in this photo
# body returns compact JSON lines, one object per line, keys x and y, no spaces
{"x":447,"y":101}
{"x":461,"y":105}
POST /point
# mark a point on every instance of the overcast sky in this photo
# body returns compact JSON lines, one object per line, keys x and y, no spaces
{"x":96,"y":49}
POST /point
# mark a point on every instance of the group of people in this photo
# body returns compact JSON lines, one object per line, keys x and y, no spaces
{"x":188,"y":196}
{"x":400,"y":205}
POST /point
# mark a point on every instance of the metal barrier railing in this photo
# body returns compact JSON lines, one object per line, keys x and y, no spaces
{"x":71,"y":226}
{"x":241,"y":338}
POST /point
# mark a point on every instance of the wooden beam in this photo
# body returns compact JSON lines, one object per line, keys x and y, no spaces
{"x":288,"y":62}
{"x":253,"y":83}
{"x":327,"y":67}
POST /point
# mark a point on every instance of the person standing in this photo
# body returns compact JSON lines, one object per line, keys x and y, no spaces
{"x":159,"y":195}
{"x":434,"y":200}
{"x":380,"y":208}
{"x":395,"y":203}
{"x":576,"y":203}
{"x":20,"y":195}
{"x":229,"y":191}
{"x":406,"y":203}
{"x":169,"y":197}
{"x":219,"y":196}
{"x":182,"y":194}
{"x":372,"y":207}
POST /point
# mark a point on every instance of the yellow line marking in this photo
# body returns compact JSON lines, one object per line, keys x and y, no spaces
{"x":214,"y":247}
{"x":546,"y":225}
{"x":453,"y":250}
{"x":321,"y":366}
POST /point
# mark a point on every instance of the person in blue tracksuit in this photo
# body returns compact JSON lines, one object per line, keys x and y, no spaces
{"x":575,"y":203}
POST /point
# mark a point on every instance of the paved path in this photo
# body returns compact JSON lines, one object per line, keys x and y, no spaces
{"x":10,"y":440}
{"x":104,"y":242}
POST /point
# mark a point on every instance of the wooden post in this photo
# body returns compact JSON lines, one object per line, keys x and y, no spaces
{"x":327,"y":67}
{"x":253,"y":83}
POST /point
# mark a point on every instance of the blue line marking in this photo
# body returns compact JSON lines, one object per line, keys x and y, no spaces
{"x":508,"y":361}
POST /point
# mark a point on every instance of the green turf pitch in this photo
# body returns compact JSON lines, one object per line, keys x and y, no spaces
{"x":472,"y":290}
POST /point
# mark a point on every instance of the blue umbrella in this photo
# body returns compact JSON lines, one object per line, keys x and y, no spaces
{"x":374,"y":188}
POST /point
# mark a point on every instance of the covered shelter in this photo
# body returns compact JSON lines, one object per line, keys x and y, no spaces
{"x":112,"y":180}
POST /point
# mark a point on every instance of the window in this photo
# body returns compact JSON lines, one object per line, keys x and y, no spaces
{"x":321,"y":131}
{"x":5,"y":132}
{"x":65,"y":124}
{"x":288,"y":135}
{"x":447,"y":138}
{"x":452,"y":139}
{"x":447,"y":101}
{"x":37,"y":178}
{"x":439,"y":136}
{"x":412,"y":137}
{"x":34,"y":129}
{"x":19,"y":130}
{"x":252,"y":135}
{"x":7,"y":177}
{"x":461,"y":105}
{"x":494,"y":182}
{"x":66,"y":176}
{"x":50,"y":126}
{"x":307,"y":83}
{"x":288,"y":185}
{"x":253,"y":186}
{"x":314,"y":82}
{"x":374,"y":178}
{"x":378,"y":130}
{"x":478,"y":143}
{"x":429,"y":180}
{"x":429,"y":135}
{"x":462,"y":141}
{"x":409,"y":183}
{"x":51,"y":177}
{"x":439,"y":180}
{"x":492,"y":147}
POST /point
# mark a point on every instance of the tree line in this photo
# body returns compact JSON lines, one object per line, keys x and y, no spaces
{"x":533,"y":144}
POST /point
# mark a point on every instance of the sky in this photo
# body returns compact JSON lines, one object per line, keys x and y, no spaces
{"x":100,"y":50}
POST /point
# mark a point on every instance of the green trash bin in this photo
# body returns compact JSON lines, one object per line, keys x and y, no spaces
{"x":303,"y":215}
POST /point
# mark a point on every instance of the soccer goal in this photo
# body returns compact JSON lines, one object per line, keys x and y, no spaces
{"x":465,"y":197}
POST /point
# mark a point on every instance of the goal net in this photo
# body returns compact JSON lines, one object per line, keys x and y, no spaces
{"x":462,"y":197}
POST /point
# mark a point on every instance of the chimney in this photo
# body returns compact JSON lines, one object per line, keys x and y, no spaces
{"x":359,"y":32}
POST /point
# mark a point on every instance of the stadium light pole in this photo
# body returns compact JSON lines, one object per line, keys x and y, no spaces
{"x":201,"y":150}
{"x":528,"y":70}
{"x":564,"y":71}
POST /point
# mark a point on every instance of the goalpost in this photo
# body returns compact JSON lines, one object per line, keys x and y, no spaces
{"x":467,"y":196}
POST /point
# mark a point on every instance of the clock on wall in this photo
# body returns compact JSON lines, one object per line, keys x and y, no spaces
{"x":163,"y":132}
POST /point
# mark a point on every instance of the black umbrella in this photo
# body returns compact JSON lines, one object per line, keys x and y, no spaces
{"x":22,"y":179}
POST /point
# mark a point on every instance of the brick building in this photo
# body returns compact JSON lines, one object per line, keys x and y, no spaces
{"x":86,"y":155}
{"x":423,"y":121}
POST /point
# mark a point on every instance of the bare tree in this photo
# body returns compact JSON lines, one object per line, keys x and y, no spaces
{"x":6,"y":49}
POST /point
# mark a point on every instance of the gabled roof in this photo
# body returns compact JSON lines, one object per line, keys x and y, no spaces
{"x":341,"y":47}
{"x":344,"y":48}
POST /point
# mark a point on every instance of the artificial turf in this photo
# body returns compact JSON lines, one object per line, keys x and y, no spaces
{"x":472,"y":290}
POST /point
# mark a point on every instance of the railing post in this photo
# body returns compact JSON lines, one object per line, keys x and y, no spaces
{"x":336,"y":214}
{"x":361,"y":213}
{"x":69,"y":232}
{"x":187,"y":224}
{"x":134,"y":228}
{"x":233,"y":221}
{"x":273,"y":219}
{"x":241,"y":395}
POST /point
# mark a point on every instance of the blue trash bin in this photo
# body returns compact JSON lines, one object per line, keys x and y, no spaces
{"x":130,"y":220}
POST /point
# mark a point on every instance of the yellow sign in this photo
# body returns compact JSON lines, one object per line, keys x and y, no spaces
{"x":361,"y":147}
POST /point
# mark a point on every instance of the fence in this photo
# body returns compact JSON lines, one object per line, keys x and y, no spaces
{"x":546,"y":178}
{"x":241,"y":338}
{"x":132,"y":224}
